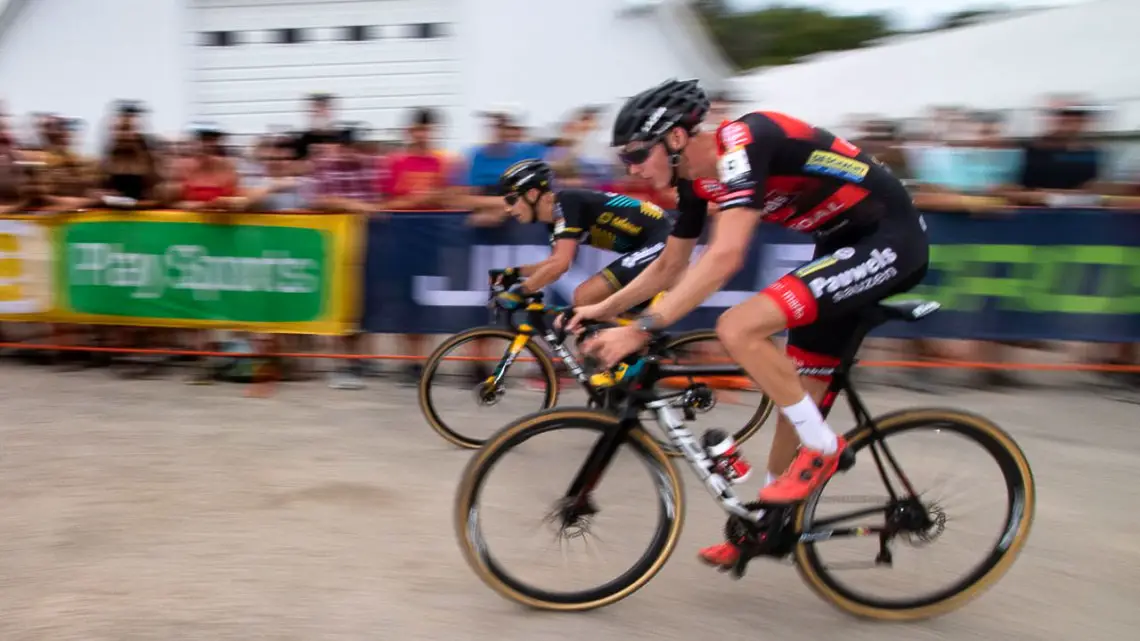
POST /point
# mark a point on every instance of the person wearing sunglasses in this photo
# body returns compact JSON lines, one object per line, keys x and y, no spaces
{"x":765,"y":166}
{"x":637,"y":230}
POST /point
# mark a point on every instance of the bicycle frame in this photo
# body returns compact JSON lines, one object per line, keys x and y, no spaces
{"x":537,"y":327}
{"x":642,"y":394}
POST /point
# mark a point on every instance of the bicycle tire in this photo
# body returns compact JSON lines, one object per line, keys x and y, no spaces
{"x":449,"y":434}
{"x":671,"y":519}
{"x":1019,"y":483}
{"x":758,"y":418}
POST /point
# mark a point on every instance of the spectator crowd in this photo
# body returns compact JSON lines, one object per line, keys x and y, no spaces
{"x":959,"y":161}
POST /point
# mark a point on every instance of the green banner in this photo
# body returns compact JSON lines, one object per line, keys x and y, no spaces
{"x":252,"y":274}
{"x":294,"y":273}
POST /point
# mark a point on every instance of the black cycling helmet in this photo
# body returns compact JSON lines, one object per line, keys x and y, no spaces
{"x":524,"y":176}
{"x":652,"y":113}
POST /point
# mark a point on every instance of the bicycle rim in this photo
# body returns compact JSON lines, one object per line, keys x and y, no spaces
{"x":1020,"y":488}
{"x":427,"y":406}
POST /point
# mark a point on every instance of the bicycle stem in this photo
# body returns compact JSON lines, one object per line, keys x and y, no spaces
{"x":674,"y":426}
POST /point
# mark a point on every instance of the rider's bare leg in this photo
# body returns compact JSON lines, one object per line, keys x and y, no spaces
{"x":594,"y":289}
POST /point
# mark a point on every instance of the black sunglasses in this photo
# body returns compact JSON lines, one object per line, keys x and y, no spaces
{"x":639,"y":155}
{"x":511,"y":198}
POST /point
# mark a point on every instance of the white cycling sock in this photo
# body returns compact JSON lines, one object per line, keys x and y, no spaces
{"x":810,"y":426}
{"x":769,"y":478}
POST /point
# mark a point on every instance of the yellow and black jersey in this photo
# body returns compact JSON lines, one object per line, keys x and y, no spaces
{"x":608,"y":221}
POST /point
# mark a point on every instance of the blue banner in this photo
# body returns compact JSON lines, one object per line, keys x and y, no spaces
{"x":1024,"y":275}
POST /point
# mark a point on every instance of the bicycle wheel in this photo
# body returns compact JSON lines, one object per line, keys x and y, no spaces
{"x":920,"y":519}
{"x":703,"y":347}
{"x":472,"y":506}
{"x":431,"y":396}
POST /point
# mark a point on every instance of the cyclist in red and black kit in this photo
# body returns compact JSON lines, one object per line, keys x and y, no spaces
{"x":765,"y":166}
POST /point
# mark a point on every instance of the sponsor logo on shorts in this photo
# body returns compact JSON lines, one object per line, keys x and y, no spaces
{"x":643,"y":255}
{"x":816,"y":265}
{"x":789,"y":298}
{"x":875,"y":271}
{"x":830,"y":163}
{"x":844,"y":253}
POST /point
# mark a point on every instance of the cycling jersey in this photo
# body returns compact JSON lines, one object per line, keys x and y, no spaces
{"x":634,"y":228}
{"x":798,"y":176}
{"x":870,"y":240}
{"x":607,"y":220}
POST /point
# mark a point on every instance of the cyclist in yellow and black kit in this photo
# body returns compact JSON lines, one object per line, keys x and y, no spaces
{"x":635,"y":229}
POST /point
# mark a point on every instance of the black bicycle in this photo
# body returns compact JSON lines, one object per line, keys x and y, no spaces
{"x":899,"y":514}
{"x":531,"y":343}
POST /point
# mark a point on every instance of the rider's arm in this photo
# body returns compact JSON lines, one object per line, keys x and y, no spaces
{"x":731,"y":236}
{"x":742,"y":166}
{"x":540,"y":275}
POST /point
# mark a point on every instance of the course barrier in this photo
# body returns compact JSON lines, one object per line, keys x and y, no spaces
{"x":1071,"y":275}
{"x":1028,"y":275}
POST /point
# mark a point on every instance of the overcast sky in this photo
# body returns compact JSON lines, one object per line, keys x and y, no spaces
{"x":909,"y":14}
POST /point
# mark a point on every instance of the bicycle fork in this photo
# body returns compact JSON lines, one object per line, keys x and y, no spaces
{"x":669,"y":418}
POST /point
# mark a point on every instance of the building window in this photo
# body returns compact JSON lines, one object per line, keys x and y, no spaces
{"x":288,"y":36}
{"x":358,"y":33}
{"x":427,"y":30}
{"x":219,"y":38}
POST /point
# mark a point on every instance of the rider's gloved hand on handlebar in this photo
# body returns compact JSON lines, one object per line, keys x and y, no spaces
{"x":511,"y":299}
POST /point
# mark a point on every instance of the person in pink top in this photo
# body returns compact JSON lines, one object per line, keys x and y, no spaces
{"x":415,"y":178}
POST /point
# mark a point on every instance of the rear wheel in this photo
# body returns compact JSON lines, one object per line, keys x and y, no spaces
{"x":538,"y":391}
{"x":918,"y":515}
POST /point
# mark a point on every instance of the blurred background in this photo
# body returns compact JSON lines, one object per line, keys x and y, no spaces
{"x":988,"y":111}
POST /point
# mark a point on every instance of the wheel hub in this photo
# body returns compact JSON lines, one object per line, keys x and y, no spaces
{"x":488,"y":394}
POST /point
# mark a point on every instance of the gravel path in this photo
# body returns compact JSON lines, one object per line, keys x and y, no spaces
{"x":154,"y":510}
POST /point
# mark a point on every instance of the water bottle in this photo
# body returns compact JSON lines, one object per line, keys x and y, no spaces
{"x":727,"y":461}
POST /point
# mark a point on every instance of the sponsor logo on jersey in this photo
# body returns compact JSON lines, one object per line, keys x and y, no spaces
{"x":618,"y":200}
{"x":830,"y":163}
{"x":733,"y":168}
{"x":735,"y":135}
{"x":619,"y":222}
{"x":872,"y":272}
{"x":651,"y":210}
{"x":776,"y":200}
{"x":707,"y":188}
{"x":808,"y":223}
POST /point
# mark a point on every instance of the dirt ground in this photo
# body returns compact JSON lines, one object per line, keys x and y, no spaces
{"x":159,"y":511}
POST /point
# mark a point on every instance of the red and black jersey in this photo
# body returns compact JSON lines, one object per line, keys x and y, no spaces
{"x":798,"y":176}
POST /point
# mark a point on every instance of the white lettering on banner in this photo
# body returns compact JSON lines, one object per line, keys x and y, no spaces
{"x":26,"y":284}
{"x":854,"y":280}
{"x":189,"y":267}
{"x":434,"y":291}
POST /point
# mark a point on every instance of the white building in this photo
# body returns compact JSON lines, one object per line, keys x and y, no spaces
{"x":247,"y":64}
{"x":1008,"y":64}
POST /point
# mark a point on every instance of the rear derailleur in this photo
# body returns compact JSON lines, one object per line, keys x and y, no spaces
{"x":772,"y":536}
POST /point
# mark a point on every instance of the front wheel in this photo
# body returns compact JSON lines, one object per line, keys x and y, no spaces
{"x":555,"y":444}
{"x":466,"y":404}
{"x":907,"y":519}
